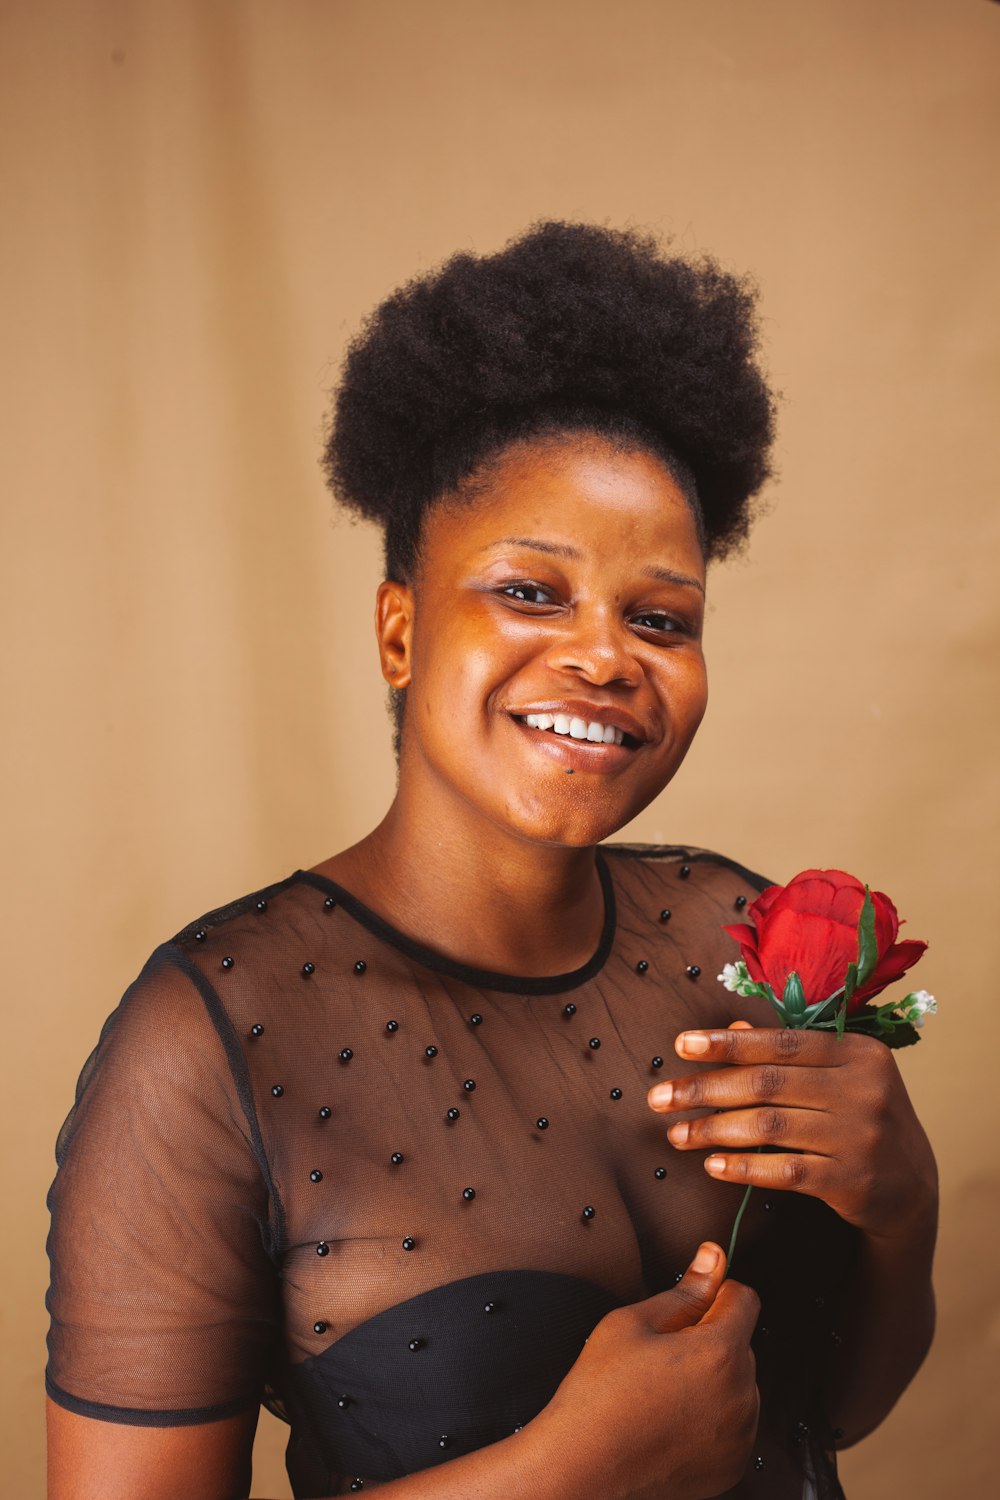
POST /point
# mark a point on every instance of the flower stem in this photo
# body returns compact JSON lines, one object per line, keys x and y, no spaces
{"x":736,"y":1227}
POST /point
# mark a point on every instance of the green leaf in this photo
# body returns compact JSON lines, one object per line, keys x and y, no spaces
{"x":902,"y":1035}
{"x":867,"y":946}
{"x":794,"y":999}
{"x":841,"y":1019}
{"x":850,"y":983}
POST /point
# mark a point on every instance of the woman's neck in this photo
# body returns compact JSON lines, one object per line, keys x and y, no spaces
{"x":483,"y":898}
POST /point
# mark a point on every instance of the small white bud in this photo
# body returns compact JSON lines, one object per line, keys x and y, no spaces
{"x":917,"y":1005}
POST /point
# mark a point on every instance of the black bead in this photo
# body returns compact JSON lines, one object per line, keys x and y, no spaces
{"x":758,"y":1462}
{"x":256,"y":1029}
{"x":430,"y":1051}
{"x":416,"y":1344}
{"x":656,"y":1062}
{"x":665,"y":914}
{"x":588,"y":1212}
{"x":741,"y":901}
{"x":322,"y":1248}
{"x":569,"y":1010}
{"x":693,"y":970}
{"x":329,"y":903}
{"x":343,"y":1401}
{"x":397,"y":1158}
{"x":660,"y":1173}
{"x":594,"y":1042}
{"x":319,"y":1327}
{"x":519,"y":1427}
{"x":685,"y":871}
{"x":308,"y":969}
{"x":452,"y":1114}
{"x":392,"y":1025}
{"x":616,"y":1093}
{"x":262,"y":904}
{"x":200,"y":935}
{"x":835,"y":1337}
{"x":838,"y":1433}
{"x":468,"y":1194}
{"x":475,"y":1019}
{"x":542,"y":1123}
{"x":444,"y":1441}
{"x":277,"y":1090}
{"x":316,"y":1175}
{"x":346,"y":1054}
{"x":469,"y":1085}
{"x":641,"y":966}
{"x":767,"y":1204}
{"x":325,"y":1112}
{"x":490,"y":1307}
{"x":227,"y":962}
{"x":678,"y":1277}
{"x":360,"y":966}
{"x":764,"y":1330}
{"x":357,"y":1484}
{"x":409,"y":1242}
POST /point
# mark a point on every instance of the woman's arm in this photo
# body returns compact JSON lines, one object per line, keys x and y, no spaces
{"x":888,"y":1326}
{"x":93,"y":1460}
{"x":637,"y":1417}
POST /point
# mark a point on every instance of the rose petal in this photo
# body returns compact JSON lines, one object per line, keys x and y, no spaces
{"x":818,"y":949}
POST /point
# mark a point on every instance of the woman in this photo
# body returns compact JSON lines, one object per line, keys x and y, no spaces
{"x":389,"y":1144}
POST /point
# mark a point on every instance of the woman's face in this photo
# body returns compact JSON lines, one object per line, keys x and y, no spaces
{"x":568,"y":595}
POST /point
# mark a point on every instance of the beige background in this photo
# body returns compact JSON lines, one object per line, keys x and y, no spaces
{"x":200,"y":201}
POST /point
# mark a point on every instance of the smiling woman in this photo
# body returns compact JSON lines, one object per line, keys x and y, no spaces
{"x":376,"y":1145}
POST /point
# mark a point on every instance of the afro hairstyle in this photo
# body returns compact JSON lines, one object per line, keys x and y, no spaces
{"x":570,"y":327}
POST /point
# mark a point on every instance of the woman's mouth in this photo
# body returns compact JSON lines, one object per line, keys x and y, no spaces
{"x":575,"y":728}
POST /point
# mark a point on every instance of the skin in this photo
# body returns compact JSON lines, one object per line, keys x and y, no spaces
{"x":596,"y":607}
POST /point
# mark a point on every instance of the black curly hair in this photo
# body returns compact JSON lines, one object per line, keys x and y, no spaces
{"x":570,"y":328}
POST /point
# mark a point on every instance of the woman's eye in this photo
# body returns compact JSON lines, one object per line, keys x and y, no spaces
{"x":654,"y":619}
{"x":526,"y":593}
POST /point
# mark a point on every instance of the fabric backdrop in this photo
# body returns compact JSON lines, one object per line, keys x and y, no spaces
{"x":201,"y":199}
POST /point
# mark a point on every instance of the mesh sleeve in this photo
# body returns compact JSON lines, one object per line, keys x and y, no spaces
{"x":162,"y":1296}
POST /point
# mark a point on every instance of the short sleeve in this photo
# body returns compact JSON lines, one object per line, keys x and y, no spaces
{"x":163,"y":1292}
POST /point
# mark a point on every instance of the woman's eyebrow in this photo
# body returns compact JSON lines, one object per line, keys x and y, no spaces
{"x":563,"y":549}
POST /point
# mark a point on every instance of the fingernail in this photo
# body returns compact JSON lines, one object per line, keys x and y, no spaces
{"x":679,"y":1133}
{"x":693,"y":1042}
{"x":716,"y":1164}
{"x":661,"y":1095}
{"x":706,"y":1259}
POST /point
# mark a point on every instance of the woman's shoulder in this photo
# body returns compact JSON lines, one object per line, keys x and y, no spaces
{"x":697,"y":867}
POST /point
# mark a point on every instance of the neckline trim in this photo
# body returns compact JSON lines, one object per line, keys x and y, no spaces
{"x":484,"y":979}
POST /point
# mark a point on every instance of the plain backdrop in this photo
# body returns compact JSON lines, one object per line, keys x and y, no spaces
{"x":201,"y":201}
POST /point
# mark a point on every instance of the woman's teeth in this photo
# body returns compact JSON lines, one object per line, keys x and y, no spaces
{"x":577,"y":729}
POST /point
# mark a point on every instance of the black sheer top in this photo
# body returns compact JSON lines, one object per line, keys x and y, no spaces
{"x":314,"y":1164}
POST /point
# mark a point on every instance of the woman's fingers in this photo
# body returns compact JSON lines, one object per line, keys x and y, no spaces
{"x":785,"y":1044}
{"x":745,"y":1129}
{"x":794,"y":1172}
{"x":685,"y":1304}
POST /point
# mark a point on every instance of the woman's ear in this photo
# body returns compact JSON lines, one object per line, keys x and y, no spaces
{"x":393,"y":627}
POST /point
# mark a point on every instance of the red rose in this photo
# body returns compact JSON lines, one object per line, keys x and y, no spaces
{"x":810,"y":926}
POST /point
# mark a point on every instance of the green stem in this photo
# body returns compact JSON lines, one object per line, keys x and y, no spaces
{"x":736,"y":1227}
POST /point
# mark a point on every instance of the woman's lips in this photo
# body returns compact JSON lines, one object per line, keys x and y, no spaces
{"x":573,"y":754}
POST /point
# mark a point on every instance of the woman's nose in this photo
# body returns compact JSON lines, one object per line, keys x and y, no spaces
{"x":599,"y":649}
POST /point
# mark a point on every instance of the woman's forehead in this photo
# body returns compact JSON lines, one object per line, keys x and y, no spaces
{"x":568,"y":497}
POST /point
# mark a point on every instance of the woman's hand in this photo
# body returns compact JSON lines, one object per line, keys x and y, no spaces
{"x":836,"y":1110}
{"x":662,"y":1401}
